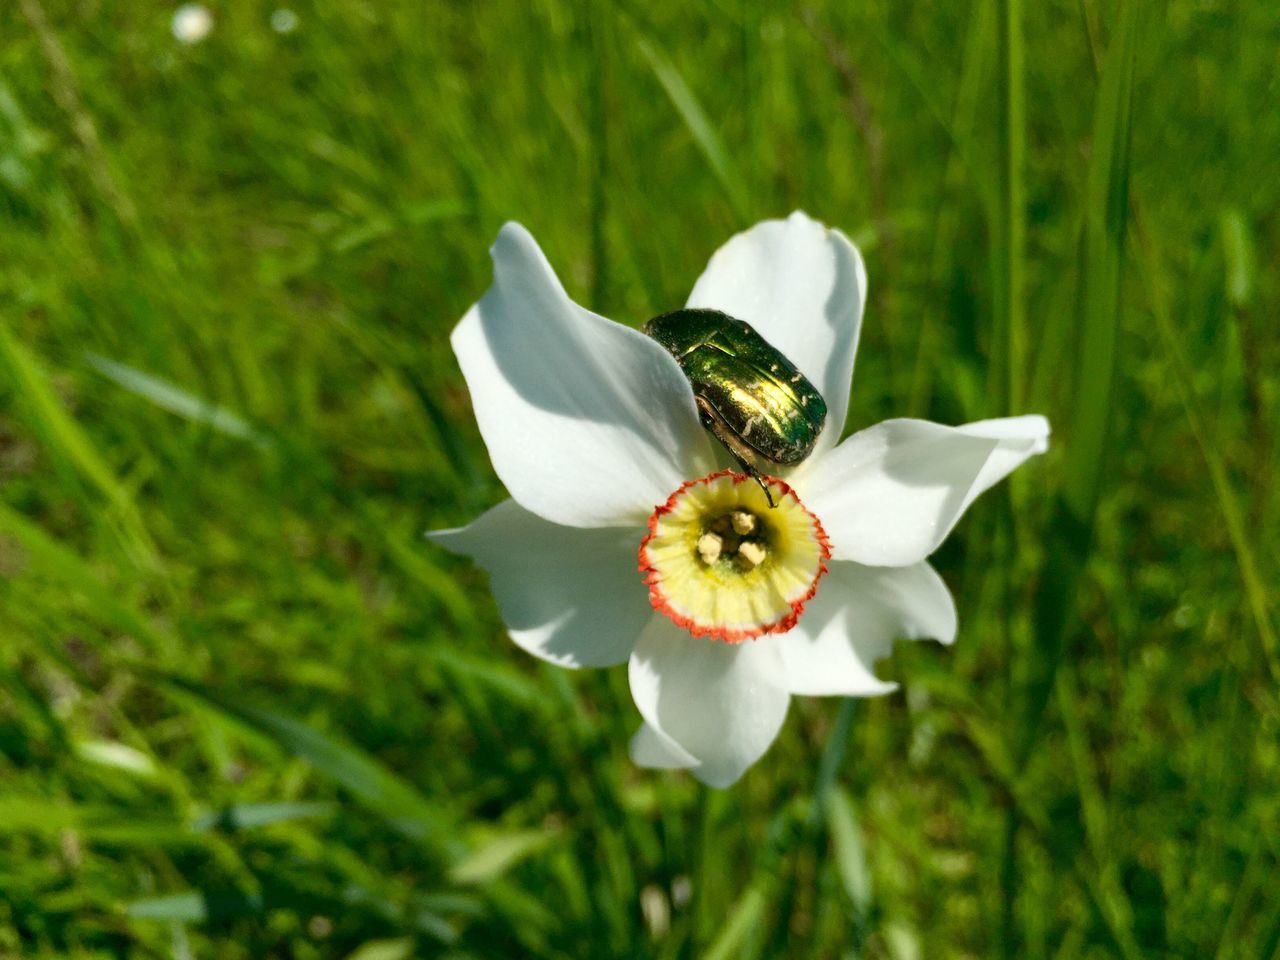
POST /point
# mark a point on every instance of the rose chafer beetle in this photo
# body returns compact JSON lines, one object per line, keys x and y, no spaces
{"x":755,"y":400}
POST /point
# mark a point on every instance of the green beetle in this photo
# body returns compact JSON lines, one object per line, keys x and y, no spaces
{"x":755,"y":400}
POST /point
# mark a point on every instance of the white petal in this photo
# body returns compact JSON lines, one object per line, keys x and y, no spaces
{"x":803,"y":287}
{"x":721,"y":703}
{"x":653,"y":748}
{"x":569,"y":595}
{"x":852,"y":622}
{"x":588,"y":423}
{"x":889,"y":495}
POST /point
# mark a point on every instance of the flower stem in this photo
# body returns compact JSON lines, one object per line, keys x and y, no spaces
{"x":832,"y":756}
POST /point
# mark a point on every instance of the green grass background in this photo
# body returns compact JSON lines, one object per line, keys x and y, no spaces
{"x":246,"y":711}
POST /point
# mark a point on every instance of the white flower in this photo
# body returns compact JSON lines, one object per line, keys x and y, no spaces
{"x":192,"y":22}
{"x":284,"y":20}
{"x":593,"y":428}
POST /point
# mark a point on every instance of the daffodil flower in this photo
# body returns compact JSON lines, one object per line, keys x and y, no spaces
{"x":631,"y":538}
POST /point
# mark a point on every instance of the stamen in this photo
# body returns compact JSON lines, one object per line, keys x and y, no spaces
{"x":743,"y":522}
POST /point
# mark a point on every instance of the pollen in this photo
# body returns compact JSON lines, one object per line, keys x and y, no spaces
{"x":723,"y":562}
{"x":709,"y":547}
{"x":752,"y":553}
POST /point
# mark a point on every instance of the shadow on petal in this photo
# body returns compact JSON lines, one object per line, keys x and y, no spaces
{"x":853,"y":622}
{"x":721,"y":703}
{"x":569,"y":595}
{"x":588,"y":423}
{"x":889,"y":495}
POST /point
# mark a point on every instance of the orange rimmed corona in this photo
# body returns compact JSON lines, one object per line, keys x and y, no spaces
{"x":723,"y":562}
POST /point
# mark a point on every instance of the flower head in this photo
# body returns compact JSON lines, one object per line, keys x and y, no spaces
{"x":753,"y":584}
{"x":284,"y":20}
{"x":192,"y":22}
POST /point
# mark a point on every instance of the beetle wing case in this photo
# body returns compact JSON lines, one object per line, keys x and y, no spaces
{"x":755,"y":400}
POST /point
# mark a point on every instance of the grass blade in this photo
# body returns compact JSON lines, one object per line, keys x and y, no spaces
{"x":1014,"y":201}
{"x":493,"y":859}
{"x":399,"y":948}
{"x":1106,"y":217}
{"x":67,"y":441}
{"x":192,"y":907}
{"x":850,"y":850}
{"x":695,"y":118}
{"x":169,"y":396}
{"x":58,"y":561}
{"x":376,"y":787}
{"x":243,"y":816}
{"x":1233,"y":514}
{"x":744,"y":918}
{"x":1106,"y":220}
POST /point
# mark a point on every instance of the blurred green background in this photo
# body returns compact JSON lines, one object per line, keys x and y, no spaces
{"x":246,"y":711}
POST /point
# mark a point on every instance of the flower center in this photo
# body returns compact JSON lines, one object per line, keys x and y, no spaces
{"x":722,"y":563}
{"x":736,"y":542}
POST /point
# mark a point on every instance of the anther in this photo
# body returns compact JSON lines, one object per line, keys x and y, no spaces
{"x":743,"y":522}
{"x":709,"y":546}
{"x":752,"y":552}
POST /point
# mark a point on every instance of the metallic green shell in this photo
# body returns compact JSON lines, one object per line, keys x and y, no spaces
{"x":751,"y":396}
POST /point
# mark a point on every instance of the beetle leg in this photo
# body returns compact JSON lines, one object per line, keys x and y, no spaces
{"x":754,"y":474}
{"x":768,"y":495}
{"x":739,"y":450}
